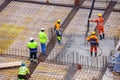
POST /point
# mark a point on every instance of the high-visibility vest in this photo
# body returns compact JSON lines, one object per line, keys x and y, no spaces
{"x":100,"y":22}
{"x":93,"y":40}
{"x":23,"y":71}
{"x":32,"y":46}
{"x":42,"y":37}
{"x":57,"y":26}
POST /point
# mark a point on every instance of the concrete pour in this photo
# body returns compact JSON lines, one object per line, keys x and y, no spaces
{"x":75,"y":48}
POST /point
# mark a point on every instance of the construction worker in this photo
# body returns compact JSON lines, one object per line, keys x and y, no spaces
{"x":93,"y":43}
{"x":100,"y":26}
{"x":58,"y":31}
{"x":43,"y":39}
{"x":32,"y":45}
{"x":23,"y":72}
{"x":57,"y":27}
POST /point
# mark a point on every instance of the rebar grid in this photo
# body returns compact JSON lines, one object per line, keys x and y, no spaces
{"x":29,"y":18}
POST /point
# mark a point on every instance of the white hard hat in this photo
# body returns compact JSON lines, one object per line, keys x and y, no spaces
{"x":31,"y":38}
{"x":42,"y":29}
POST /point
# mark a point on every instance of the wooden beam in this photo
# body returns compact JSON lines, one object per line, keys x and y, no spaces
{"x":10,"y":64}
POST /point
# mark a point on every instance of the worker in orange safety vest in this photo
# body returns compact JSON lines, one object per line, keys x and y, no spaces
{"x":58,"y":30}
{"x":100,"y":26}
{"x":57,"y":26}
{"x":93,"y":43}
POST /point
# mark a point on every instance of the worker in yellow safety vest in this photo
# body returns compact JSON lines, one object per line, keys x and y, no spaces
{"x":23,"y":72}
{"x":43,"y":40}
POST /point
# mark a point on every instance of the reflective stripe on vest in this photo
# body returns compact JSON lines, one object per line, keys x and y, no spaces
{"x":22,"y":71}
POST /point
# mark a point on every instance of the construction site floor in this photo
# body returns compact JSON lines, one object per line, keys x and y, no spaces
{"x":22,"y":20}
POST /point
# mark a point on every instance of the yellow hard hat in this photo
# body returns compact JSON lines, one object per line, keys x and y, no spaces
{"x":99,"y":14}
{"x":58,"y":20}
{"x":93,"y":32}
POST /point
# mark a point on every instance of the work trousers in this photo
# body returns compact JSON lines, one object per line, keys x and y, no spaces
{"x":93,"y":48}
{"x":59,"y":38}
{"x":21,"y":77}
{"x":33,"y":55}
{"x":57,"y":32}
{"x":100,"y":30}
{"x":43,"y":48}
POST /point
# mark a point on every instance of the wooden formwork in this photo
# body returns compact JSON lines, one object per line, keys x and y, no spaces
{"x":49,"y":71}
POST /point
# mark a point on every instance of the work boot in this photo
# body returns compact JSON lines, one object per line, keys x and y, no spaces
{"x":95,"y":54}
{"x":31,"y":60}
{"x":100,"y":37}
{"x":103,"y":35}
{"x":91,"y":54}
{"x":35,"y":60}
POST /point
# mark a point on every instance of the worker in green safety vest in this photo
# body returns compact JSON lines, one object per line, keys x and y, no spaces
{"x":23,"y":72}
{"x":32,"y":45}
{"x":43,"y":39}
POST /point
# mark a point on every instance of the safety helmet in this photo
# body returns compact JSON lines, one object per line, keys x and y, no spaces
{"x":59,"y":21}
{"x":99,"y":15}
{"x":31,"y":38}
{"x":93,"y":32}
{"x":42,"y":29}
{"x":23,"y":64}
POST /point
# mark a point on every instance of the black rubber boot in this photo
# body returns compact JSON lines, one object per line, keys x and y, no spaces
{"x":91,"y":53}
{"x":100,"y":37}
{"x":95,"y":54}
{"x":103,"y":35}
